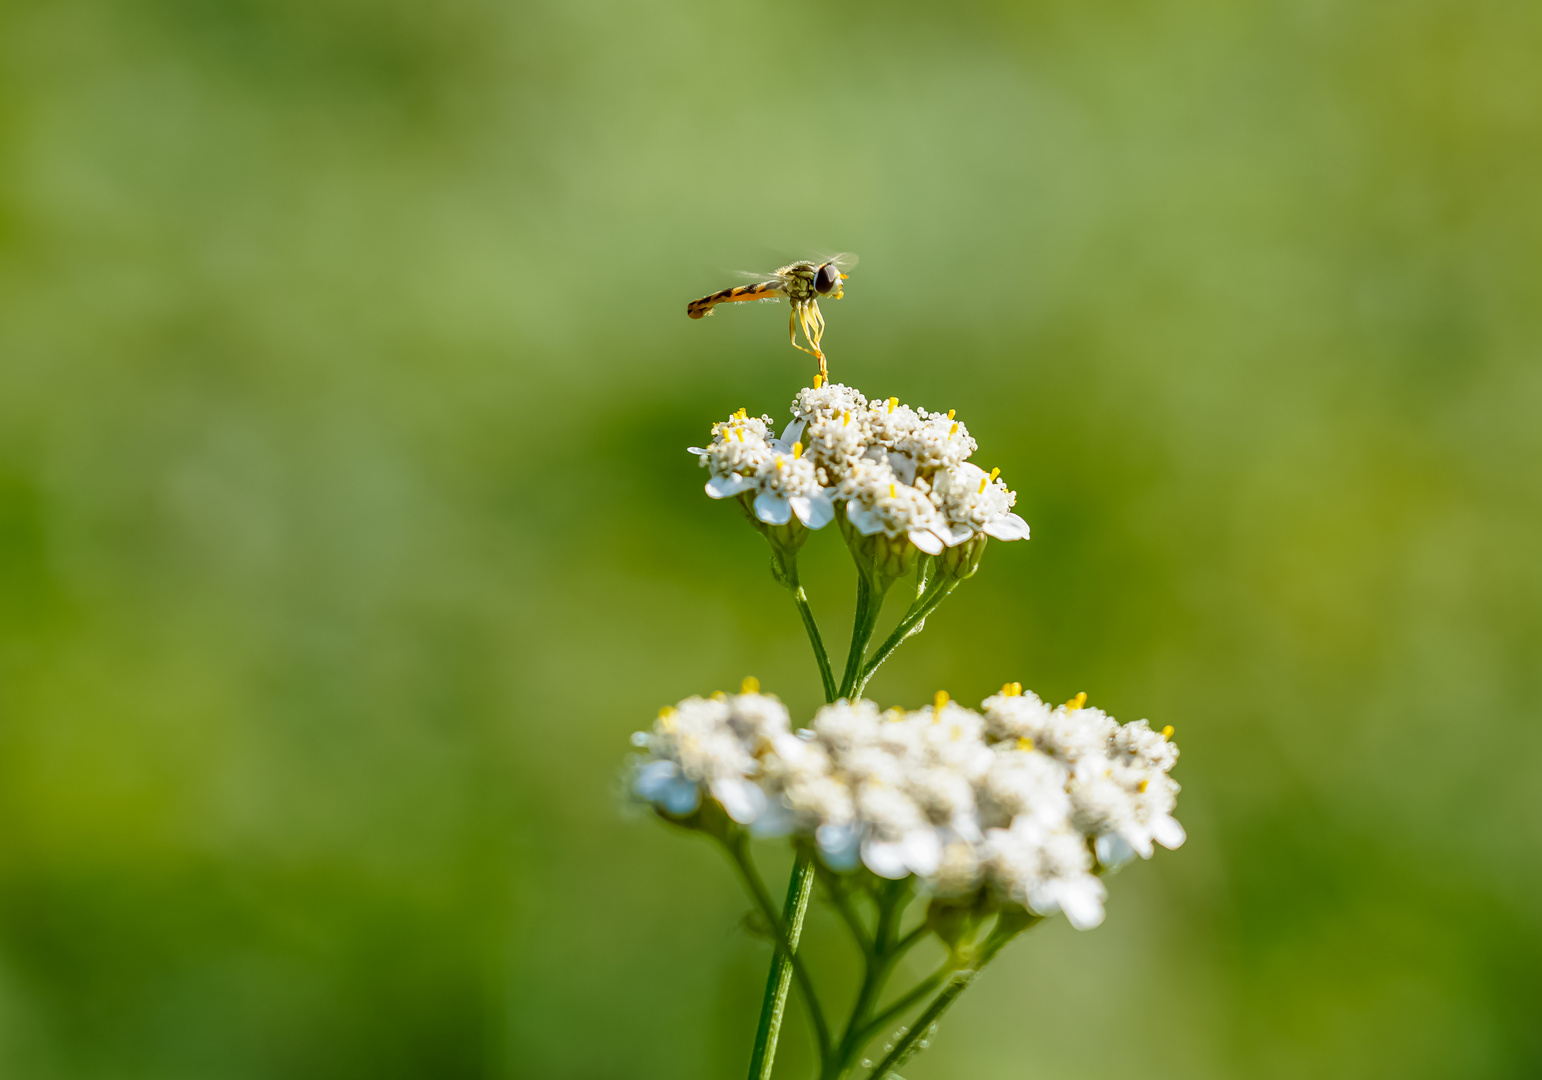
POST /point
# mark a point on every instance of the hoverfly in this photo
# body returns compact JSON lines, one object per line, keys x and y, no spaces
{"x":803,"y":283}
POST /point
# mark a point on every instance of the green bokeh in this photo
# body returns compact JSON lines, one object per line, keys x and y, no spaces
{"x":346,"y":530}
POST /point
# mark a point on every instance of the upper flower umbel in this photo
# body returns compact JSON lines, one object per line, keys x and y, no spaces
{"x":902,"y":473}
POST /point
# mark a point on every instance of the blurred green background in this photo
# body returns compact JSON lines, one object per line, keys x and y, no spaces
{"x":346,"y":530}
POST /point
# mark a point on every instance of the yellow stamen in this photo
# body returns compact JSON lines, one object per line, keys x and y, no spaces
{"x":780,"y":464}
{"x":891,"y":492}
{"x":797,"y":450}
{"x":750,"y":685}
{"x":983,"y":482}
{"x":995,"y":473}
{"x":893,"y":401}
{"x":1077,"y":702}
{"x":1141,"y":787}
{"x":1167,"y":732}
{"x":718,"y":695}
{"x":952,"y":431}
{"x":742,"y":413}
{"x":938,"y":702}
{"x":819,"y":380}
{"x":1012,"y":689}
{"x":845,"y":418}
{"x":667,"y":718}
{"x":951,"y":414}
{"x":1025,"y":743}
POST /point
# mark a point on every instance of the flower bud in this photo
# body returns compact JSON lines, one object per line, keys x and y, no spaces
{"x":881,"y":558}
{"x":960,"y":562}
{"x":785,"y":540}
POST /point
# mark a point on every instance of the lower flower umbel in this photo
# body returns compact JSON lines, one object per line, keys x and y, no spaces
{"x":989,"y":821}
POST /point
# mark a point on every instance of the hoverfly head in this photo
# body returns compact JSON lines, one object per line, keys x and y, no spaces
{"x":828,"y":279}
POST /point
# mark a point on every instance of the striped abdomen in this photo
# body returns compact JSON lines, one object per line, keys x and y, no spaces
{"x":698,"y":308}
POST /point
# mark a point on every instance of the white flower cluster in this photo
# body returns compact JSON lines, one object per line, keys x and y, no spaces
{"x":899,"y":471}
{"x":1027,"y":799}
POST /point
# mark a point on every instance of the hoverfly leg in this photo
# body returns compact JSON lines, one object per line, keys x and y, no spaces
{"x":807,"y":313}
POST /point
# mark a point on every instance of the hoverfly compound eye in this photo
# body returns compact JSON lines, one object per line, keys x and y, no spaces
{"x":826,"y":278}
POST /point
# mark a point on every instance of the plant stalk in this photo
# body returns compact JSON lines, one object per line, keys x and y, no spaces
{"x":1008,"y":925}
{"x":787,"y":928}
{"x":925,"y":604}
{"x":800,"y":886}
{"x":821,"y":656}
{"x":869,"y":604}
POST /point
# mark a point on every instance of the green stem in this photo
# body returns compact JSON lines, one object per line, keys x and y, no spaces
{"x":858,"y":644}
{"x":1008,"y":925}
{"x":903,"y":945}
{"x":821,"y":656}
{"x":910,"y":624}
{"x":869,"y":604}
{"x":901,"y":1006}
{"x":842,"y":898}
{"x":884,"y":954}
{"x":785,"y":966}
{"x":800,"y":886}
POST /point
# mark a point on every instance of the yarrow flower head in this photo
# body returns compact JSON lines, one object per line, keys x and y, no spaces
{"x":1026,"y":802}
{"x":714,"y":745}
{"x":879,"y":502}
{"x":743,"y":459}
{"x":1119,"y":785}
{"x":886,"y":468}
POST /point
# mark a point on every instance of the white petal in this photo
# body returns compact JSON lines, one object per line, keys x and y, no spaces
{"x":956,"y":534}
{"x":1082,"y":902}
{"x":867,"y":522}
{"x":926,"y":540}
{"x":816,"y":510}
{"x":741,"y":799}
{"x":790,"y":434}
{"x":772,"y":508}
{"x":681,"y":796}
{"x":923,"y":851}
{"x":838,"y":846}
{"x":1010,"y":527}
{"x":885,"y":858}
{"x":904,"y":467}
{"x":1113,"y":850}
{"x":1168,"y":832}
{"x":967,"y":826}
{"x":653,"y":778}
{"x":776,"y":820}
{"x":721,"y":487}
{"x":697,"y":450}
